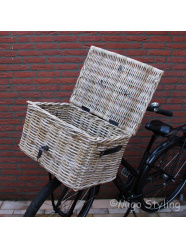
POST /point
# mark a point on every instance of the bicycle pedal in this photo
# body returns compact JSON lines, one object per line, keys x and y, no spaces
{"x":126,"y":172}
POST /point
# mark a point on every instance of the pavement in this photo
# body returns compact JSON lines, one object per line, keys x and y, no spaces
{"x":100,"y":208}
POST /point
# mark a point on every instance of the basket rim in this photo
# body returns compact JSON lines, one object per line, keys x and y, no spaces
{"x":78,"y":130}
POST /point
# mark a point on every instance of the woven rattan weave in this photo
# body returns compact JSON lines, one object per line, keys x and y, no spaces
{"x":86,"y":139}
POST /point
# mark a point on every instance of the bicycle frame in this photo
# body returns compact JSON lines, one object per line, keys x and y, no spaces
{"x":128,"y":190}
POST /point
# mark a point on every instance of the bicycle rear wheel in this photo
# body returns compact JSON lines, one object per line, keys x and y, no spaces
{"x":163,"y":179}
{"x":68,"y":203}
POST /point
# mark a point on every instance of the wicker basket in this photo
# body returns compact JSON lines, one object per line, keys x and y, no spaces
{"x":82,"y":143}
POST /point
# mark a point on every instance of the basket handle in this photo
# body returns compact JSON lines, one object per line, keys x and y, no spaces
{"x":111,"y":150}
{"x":41,"y":149}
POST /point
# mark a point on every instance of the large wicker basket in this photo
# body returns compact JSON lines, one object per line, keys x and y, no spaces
{"x":82,"y":143}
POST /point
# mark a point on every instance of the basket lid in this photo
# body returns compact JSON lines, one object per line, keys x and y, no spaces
{"x":115,"y":88}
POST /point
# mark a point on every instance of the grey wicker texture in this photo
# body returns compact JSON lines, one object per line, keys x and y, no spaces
{"x":75,"y":139}
{"x":114,"y":88}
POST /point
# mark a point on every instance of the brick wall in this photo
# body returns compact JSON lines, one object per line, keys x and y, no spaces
{"x":44,"y":66}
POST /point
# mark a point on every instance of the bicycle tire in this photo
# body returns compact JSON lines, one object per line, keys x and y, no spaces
{"x":50,"y":188}
{"x":151,"y":170}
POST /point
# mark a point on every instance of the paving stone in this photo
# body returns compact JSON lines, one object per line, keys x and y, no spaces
{"x":102,"y":204}
{"x":1,"y":203}
{"x":173,"y":214}
{"x":178,"y":208}
{"x":6,"y":211}
{"x":98,"y":211}
{"x":15,"y":205}
{"x":108,"y":215}
{"x":165,"y":210}
{"x":120,"y":210}
{"x":20,"y":212}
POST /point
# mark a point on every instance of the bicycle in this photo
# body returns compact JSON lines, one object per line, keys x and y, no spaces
{"x":161,"y":173}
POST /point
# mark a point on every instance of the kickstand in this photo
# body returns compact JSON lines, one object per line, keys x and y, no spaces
{"x":130,"y":208}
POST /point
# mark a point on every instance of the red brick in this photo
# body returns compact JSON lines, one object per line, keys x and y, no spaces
{"x":169,"y":87}
{"x":6,"y":165}
{"x":4,"y":134}
{"x":23,"y":46}
{"x":46,"y":32}
{"x":135,"y":45}
{"x":17,"y":115}
{"x":9,"y":190}
{"x":75,"y":52}
{"x":3,"y":67}
{"x":160,"y":59}
{"x":24,"y":87}
{"x":46,"y":46}
{"x":112,"y":38}
{"x":7,"y":154}
{"x":85,"y":32}
{"x":30,"y":94}
{"x":176,"y":46}
{"x":71,"y":60}
{"x":179,"y":67}
{"x":179,"y":39}
{"x":42,"y":67}
{"x":117,"y":45}
{"x":6,"y":101}
{"x":18,"y":108}
{"x":4,"y":147}
{"x":66,"y":80}
{"x":48,"y":94}
{"x":22,"y":39}
{"x":3,"y":81}
{"x":137,"y":38}
{"x":28,"y":53}
{"x":4,"y":33}
{"x":178,"y":121}
{"x":43,"y":80}
{"x":176,"y":59}
{"x":178,"y":93}
{"x":6,"y":115}
{"x":179,"y":53}
{"x":41,"y":38}
{"x":109,"y":32}
{"x":25,"y":74}
{"x":13,"y":184}
{"x":171,"y":107}
{"x":177,"y":73}
{"x":4,"y":46}
{"x":70,"y":73}
{"x":7,"y":53}
{"x":34,"y":60}
{"x":156,"y":32}
{"x":69,"y":45}
{"x":20,"y":81}
{"x":177,"y":32}
{"x":19,"y":67}
{"x":63,"y":94}
{"x":89,"y":38}
{"x":136,"y":52}
{"x":9,"y":122}
{"x":48,"y":74}
{"x":10,"y":60}
{"x":177,"y":100}
{"x":5,"y":74}
{"x":65,"y":38}
{"x":7,"y":39}
{"x":33,"y":172}
{"x":154,"y":45}
{"x":47,"y":87}
{"x":51,"y":52}
{"x":66,"y":67}
{"x":160,"y":38}
{"x":3,"y":108}
{"x":181,"y":87}
{"x":88,"y":45}
{"x":52,"y":59}
{"x":159,"y":52}
{"x":27,"y":178}
{"x":22,"y":32}
{"x":67,"y":87}
{"x":164,"y":67}
{"x":8,"y":94}
{"x":10,"y":160}
{"x":133,"y":32}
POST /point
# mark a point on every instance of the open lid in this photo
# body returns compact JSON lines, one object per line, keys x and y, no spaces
{"x":115,"y":88}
